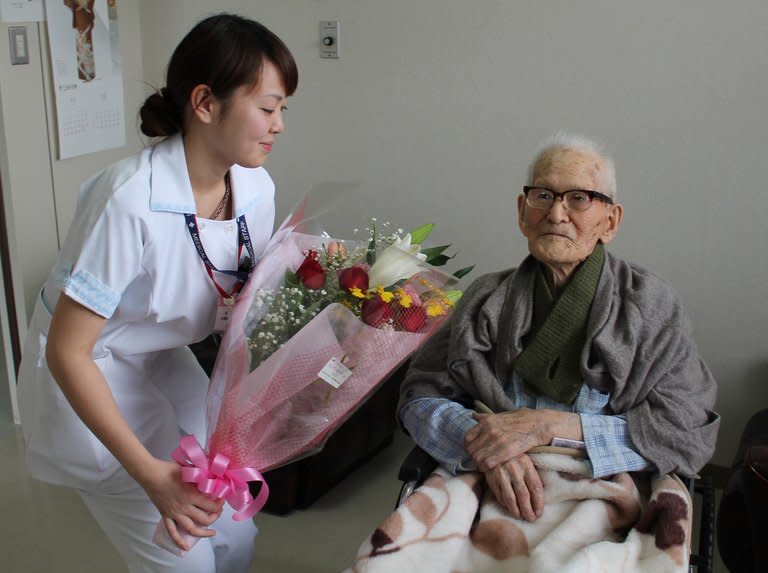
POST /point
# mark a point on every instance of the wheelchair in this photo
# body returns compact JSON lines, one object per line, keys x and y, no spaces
{"x":742,"y":519}
{"x":418,"y":465}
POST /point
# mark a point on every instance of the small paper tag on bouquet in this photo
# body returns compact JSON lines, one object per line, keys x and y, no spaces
{"x":335,"y":373}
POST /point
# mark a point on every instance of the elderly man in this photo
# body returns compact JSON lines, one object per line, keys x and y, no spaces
{"x":573,"y":344}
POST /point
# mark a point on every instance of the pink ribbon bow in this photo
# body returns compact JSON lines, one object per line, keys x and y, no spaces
{"x":218,"y":481}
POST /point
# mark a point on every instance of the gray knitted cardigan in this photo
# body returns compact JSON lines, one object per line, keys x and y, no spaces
{"x":639,"y":347}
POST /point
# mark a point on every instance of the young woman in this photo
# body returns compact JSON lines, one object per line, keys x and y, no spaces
{"x":160,"y":243}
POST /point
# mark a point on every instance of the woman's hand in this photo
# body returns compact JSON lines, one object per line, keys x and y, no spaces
{"x":71,"y":338}
{"x":517,"y":486}
{"x":498,"y":438}
{"x":183,"y":508}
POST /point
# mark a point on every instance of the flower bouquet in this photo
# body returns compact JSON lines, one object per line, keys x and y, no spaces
{"x":319,"y":324}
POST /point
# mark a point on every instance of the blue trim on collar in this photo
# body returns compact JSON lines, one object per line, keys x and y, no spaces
{"x":249,"y":188}
{"x":243,"y":209}
{"x":172,"y":208}
{"x":170,"y":189}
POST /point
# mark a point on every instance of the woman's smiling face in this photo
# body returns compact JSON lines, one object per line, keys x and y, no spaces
{"x":251,"y":118}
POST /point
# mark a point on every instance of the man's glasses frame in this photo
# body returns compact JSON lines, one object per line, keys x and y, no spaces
{"x":573,"y":199}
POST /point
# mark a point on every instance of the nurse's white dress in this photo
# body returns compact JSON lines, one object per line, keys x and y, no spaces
{"x":129,"y":257}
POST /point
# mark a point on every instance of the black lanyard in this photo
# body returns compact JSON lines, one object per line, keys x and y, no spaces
{"x":243,"y":240}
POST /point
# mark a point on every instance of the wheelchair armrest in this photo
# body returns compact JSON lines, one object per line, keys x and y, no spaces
{"x":756,"y":461}
{"x":417,"y":466}
{"x":413,"y":471}
{"x":703,"y":559}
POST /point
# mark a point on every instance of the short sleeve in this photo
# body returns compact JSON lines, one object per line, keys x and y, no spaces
{"x":103,"y":251}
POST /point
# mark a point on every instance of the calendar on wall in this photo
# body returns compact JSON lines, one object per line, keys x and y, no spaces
{"x":21,"y":10}
{"x":87,"y":75}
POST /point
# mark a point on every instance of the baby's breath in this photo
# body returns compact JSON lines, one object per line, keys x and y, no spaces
{"x":289,"y":309}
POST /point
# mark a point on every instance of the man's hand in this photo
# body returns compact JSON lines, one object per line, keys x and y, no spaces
{"x":498,"y":438}
{"x":517,"y":486}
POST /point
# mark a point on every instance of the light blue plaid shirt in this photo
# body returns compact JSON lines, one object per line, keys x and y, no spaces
{"x":438,"y":425}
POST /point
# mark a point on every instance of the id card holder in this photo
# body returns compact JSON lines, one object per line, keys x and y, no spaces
{"x":223,"y":313}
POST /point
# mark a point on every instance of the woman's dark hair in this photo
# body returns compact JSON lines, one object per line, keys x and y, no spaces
{"x":224,"y":52}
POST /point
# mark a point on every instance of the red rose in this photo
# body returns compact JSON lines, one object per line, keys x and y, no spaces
{"x":353,"y":277}
{"x":311,"y":272}
{"x":410,"y":319}
{"x":376,"y":312}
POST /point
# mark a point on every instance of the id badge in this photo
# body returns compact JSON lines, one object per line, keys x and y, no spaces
{"x":223,"y":313}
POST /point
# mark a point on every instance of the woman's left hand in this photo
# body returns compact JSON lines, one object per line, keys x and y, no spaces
{"x":182,"y":507}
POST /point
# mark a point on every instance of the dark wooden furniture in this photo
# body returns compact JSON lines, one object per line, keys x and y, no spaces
{"x":370,"y":429}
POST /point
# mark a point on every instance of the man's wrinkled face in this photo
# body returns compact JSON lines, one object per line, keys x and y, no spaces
{"x":558,"y":237}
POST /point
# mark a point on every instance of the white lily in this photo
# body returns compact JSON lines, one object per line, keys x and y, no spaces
{"x":401,"y":260}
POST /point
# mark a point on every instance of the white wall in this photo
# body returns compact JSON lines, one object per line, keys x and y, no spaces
{"x":41,"y":190}
{"x":26,"y":171}
{"x":433,"y":111}
{"x":436,"y":106}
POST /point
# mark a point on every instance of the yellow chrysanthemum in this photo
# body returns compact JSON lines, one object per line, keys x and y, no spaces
{"x":434,"y":309}
{"x":404,"y":298}
{"x":357,"y":293}
{"x":386,"y":296}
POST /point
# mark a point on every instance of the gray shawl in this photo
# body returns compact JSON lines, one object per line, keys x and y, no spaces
{"x":639,"y":347}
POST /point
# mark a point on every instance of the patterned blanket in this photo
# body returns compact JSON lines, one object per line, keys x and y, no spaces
{"x":452,"y":524}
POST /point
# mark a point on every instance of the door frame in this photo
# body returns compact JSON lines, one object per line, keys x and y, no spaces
{"x":9,"y":322}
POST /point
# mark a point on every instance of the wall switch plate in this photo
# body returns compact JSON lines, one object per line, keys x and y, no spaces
{"x":329,"y":39}
{"x":17,"y":36}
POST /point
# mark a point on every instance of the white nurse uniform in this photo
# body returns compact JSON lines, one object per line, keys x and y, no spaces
{"x":130,"y":258}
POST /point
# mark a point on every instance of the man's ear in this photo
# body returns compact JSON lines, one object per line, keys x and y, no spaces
{"x":203,"y":103}
{"x":521,"y":212}
{"x":615,"y":215}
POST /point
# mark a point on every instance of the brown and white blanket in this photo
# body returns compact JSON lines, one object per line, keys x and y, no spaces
{"x":453,"y":524}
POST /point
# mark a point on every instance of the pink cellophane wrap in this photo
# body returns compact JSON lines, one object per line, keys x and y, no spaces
{"x":280,"y":411}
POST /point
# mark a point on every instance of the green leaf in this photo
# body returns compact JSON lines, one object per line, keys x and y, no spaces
{"x":419,"y":235}
{"x":315,"y":306}
{"x":434,"y":251}
{"x":291,"y":280}
{"x":462,"y":272}
{"x":453,"y":295}
{"x":438,"y":260}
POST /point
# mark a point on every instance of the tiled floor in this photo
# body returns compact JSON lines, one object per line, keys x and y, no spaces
{"x":46,"y":529}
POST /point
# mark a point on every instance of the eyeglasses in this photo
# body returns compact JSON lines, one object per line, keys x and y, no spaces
{"x":573,"y":199}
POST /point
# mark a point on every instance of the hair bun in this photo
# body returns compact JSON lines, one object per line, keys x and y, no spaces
{"x":160,"y":116}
